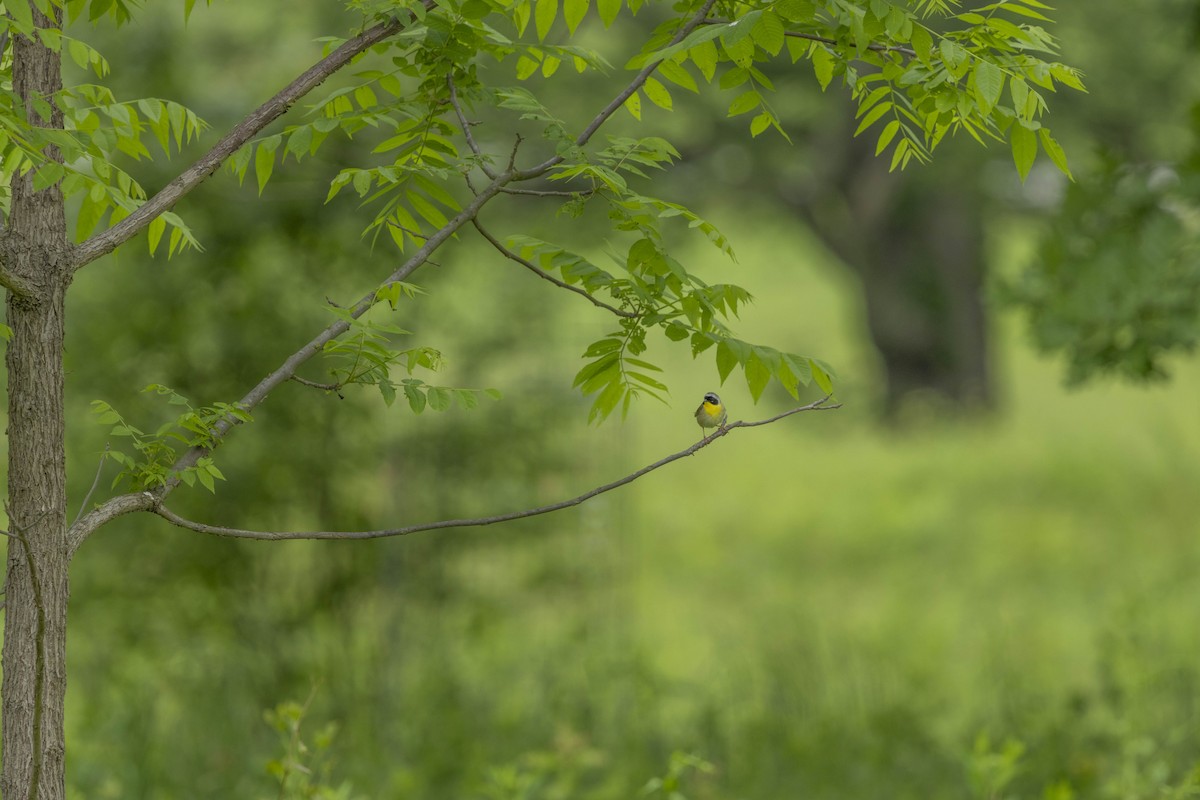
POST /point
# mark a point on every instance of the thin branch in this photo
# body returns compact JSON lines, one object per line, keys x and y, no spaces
{"x":240,"y":533}
{"x":466,"y":129}
{"x":106,"y":512}
{"x":107,"y":241}
{"x":512,"y":157}
{"x":328,"y":387}
{"x":624,"y":94}
{"x":548,"y":192}
{"x":414,"y":234}
{"x":812,"y":37}
{"x":95,"y":483}
{"x":509,"y":254}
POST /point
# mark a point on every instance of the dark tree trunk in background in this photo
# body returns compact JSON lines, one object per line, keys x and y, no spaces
{"x":916,"y":240}
{"x":34,"y":247}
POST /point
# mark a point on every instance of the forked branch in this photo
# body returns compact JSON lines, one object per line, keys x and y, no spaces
{"x":241,"y":533}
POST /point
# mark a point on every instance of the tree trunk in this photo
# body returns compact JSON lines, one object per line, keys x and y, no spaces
{"x":34,"y":246}
{"x":916,"y":240}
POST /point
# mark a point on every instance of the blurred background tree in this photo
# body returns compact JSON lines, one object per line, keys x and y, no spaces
{"x":842,"y":628}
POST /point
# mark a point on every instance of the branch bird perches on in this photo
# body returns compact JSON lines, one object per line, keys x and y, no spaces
{"x":241,"y":533}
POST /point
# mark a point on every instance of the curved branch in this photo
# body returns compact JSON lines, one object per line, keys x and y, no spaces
{"x":509,"y":254}
{"x":106,"y":512}
{"x":240,"y":533}
{"x":107,"y":241}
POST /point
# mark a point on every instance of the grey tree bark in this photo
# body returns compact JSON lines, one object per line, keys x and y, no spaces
{"x":34,"y":248}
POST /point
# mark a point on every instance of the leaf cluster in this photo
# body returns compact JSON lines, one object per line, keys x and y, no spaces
{"x":148,"y":461}
{"x":367,"y":356}
{"x":305,"y":769}
{"x":922,"y":69}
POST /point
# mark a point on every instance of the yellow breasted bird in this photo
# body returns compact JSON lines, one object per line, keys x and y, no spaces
{"x":711,"y":413}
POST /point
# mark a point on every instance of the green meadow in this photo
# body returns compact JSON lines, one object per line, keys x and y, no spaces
{"x":984,"y":607}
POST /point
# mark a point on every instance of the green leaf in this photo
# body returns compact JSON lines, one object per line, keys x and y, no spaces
{"x":760,"y":123}
{"x":989,"y":83}
{"x":573,"y":12}
{"x":726,"y":360}
{"x":1024,"y":148}
{"x":439,"y":398}
{"x":758,"y":375}
{"x":206,"y":480}
{"x":886,"y":135}
{"x":704,"y":55}
{"x":264,"y":160}
{"x":744,"y":102}
{"x":768,"y":33}
{"x":599,"y":366}
{"x":821,"y":376}
{"x":873,"y":116}
{"x":633,"y":104}
{"x":657,"y":93}
{"x":416,"y":398}
{"x":543,"y":17}
{"x":823,"y":65}
{"x":467,"y":398}
{"x":922,"y":43}
{"x":678,"y":75}
{"x":22,"y":15}
{"x":608,"y":11}
{"x":1055,"y":151}
{"x":155,"y":231}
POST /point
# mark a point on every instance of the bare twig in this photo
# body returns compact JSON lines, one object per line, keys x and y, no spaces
{"x":466,"y":129}
{"x":512,"y":157}
{"x":509,"y":254}
{"x":240,"y":533}
{"x":409,"y":231}
{"x":328,"y":387}
{"x":107,"y":241}
{"x":95,"y":482}
{"x":812,"y":37}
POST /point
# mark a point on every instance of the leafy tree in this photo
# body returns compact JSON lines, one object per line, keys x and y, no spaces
{"x":1114,"y":287}
{"x":422,"y":73}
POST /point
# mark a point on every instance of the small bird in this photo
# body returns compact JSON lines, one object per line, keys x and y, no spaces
{"x":711,"y":413}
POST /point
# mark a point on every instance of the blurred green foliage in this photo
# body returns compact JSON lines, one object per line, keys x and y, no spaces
{"x":815,"y":609}
{"x":1114,"y":286}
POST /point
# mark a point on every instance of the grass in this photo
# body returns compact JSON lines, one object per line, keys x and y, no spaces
{"x":819,"y":608}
